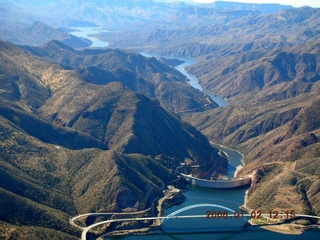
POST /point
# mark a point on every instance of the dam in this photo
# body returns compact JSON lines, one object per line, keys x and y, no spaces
{"x":217,"y":184}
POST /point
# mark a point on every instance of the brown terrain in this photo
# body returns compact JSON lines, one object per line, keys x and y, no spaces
{"x":70,"y":146}
{"x":103,"y":130}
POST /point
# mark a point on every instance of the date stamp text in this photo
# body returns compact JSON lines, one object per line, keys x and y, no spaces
{"x":253,"y":214}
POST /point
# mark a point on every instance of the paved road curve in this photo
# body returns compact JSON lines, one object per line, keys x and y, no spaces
{"x":72,"y":220}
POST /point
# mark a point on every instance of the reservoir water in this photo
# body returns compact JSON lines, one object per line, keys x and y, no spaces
{"x":85,"y":32}
{"x":213,"y":228}
{"x":194,"y":82}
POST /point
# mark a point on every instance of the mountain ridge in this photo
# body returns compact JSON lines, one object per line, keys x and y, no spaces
{"x":83,"y":147}
{"x":200,"y":38}
{"x":290,"y":128}
{"x":266,"y":64}
{"x":144,"y":75}
{"x":39,"y":33}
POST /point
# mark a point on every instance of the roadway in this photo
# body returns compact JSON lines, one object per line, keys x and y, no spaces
{"x":72,"y":220}
{"x":85,"y":230}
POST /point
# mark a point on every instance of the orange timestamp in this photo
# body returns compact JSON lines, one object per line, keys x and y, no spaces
{"x":253,"y":214}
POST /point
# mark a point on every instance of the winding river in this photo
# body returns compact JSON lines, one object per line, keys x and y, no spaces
{"x":194,"y":82}
{"x":231,"y":228}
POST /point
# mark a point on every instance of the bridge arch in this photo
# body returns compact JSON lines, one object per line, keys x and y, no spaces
{"x":197,"y":206}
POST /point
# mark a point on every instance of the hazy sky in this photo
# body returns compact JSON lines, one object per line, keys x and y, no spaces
{"x":295,"y":3}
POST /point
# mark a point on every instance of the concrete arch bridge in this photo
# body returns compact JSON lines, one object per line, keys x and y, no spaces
{"x":173,"y":215}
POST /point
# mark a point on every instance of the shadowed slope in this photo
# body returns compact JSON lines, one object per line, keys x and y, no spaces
{"x":55,"y":129}
{"x":138,"y":73}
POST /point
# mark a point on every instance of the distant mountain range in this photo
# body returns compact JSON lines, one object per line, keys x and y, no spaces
{"x":39,"y":33}
{"x":28,"y":23}
{"x":103,"y":13}
{"x":202,"y":31}
{"x":236,"y":6}
{"x":115,"y":13}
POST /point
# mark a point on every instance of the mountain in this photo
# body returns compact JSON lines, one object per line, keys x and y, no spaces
{"x":271,"y":79}
{"x":120,"y":13}
{"x":275,"y":124}
{"x":232,"y":68}
{"x":266,"y":65}
{"x":106,"y":110}
{"x":68,"y":146}
{"x":212,"y":32}
{"x":102,"y":13}
{"x":30,"y":17}
{"x":263,"y":8}
{"x":94,"y":129}
{"x":148,"y":76}
{"x":39,"y":33}
{"x":281,"y":144}
{"x":280,"y":74}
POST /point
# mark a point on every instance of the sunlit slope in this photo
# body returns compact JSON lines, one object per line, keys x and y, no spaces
{"x":69,"y":146}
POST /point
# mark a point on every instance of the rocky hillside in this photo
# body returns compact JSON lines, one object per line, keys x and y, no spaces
{"x":278,"y":129}
{"x":280,"y":74}
{"x":69,"y":146}
{"x":148,"y":76}
{"x":89,"y":130}
{"x":267,"y":66}
{"x":224,"y":30}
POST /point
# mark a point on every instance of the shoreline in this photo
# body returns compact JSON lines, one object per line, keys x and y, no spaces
{"x":172,"y":196}
{"x":277,"y":226}
{"x":239,"y":167}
